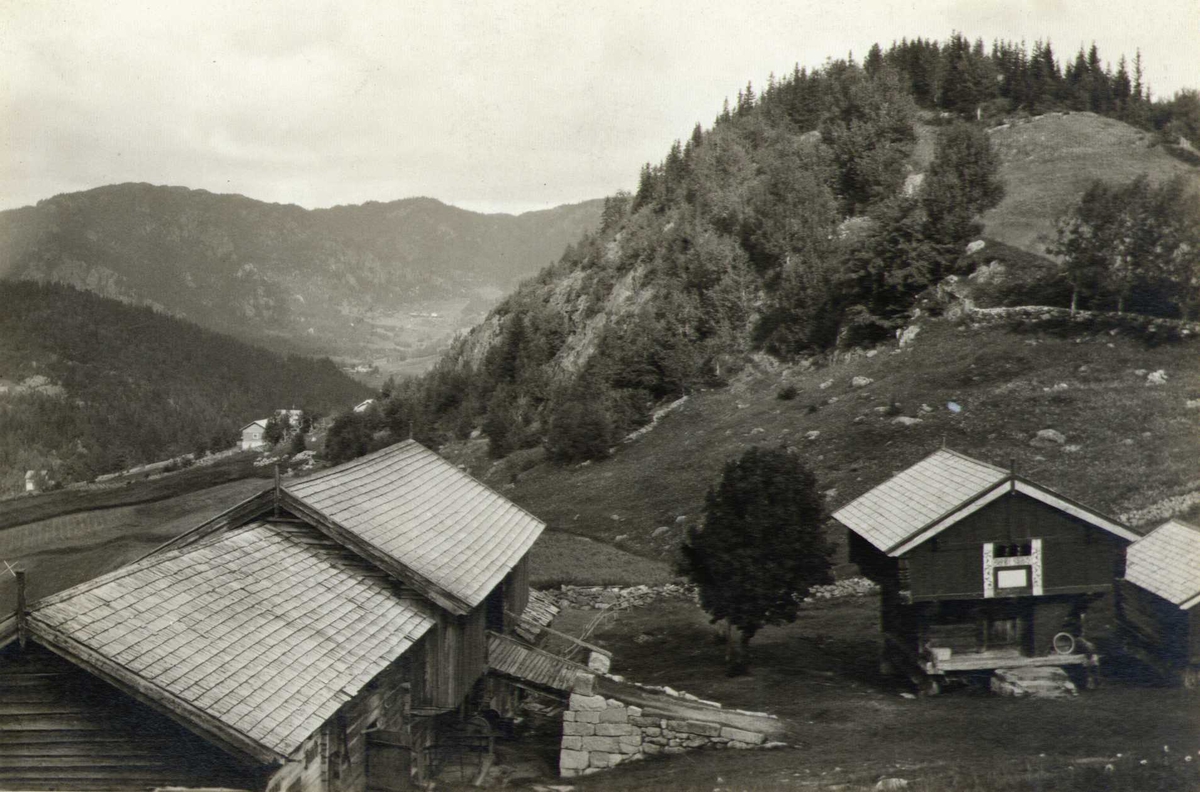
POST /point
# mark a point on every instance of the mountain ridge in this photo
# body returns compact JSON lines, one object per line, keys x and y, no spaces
{"x":329,"y":280}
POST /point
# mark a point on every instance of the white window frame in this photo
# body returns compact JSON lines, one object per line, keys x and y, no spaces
{"x":991,"y":564}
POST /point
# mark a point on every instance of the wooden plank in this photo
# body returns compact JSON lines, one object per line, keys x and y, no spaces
{"x":156,"y":698}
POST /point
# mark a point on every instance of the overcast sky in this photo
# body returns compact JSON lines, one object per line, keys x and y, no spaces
{"x":493,"y":106}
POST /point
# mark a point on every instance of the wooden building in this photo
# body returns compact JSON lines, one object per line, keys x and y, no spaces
{"x":1159,"y":598}
{"x":980,"y":568}
{"x":254,"y":435}
{"x":322,"y":635}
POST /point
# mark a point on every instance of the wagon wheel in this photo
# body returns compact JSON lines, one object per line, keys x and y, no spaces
{"x":930,"y":686}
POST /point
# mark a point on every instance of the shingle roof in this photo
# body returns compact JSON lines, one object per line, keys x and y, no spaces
{"x":427,"y":516}
{"x":917,"y":496}
{"x":537,"y":667}
{"x":1166,"y":561}
{"x":267,"y":628}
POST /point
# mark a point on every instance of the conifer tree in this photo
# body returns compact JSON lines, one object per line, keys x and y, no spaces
{"x":762,"y":546}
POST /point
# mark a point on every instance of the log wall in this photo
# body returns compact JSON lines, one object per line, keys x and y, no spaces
{"x":62,"y":728}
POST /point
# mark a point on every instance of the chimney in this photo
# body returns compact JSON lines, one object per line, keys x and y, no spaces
{"x":22,"y":627}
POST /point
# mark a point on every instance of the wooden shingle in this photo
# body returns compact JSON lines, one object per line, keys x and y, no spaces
{"x":265,"y":628}
{"x":917,"y":496}
{"x":424,"y":514}
{"x":1166,"y":562}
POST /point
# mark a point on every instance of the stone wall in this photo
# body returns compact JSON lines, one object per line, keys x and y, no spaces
{"x":603,"y":731}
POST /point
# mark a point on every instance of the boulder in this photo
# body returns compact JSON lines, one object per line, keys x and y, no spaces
{"x":1033,"y":682}
{"x":908,"y":335}
{"x":1047,"y":438}
{"x":976,"y":246}
{"x":905,"y":420}
{"x":1157,"y":378}
{"x":860,"y":382}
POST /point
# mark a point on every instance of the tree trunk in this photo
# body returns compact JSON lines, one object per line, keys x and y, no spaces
{"x":1074,"y":300}
{"x":1121,"y":304}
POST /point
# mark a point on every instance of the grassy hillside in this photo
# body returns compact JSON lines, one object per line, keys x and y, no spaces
{"x":1048,"y":161}
{"x":90,"y":385}
{"x":1129,"y":444}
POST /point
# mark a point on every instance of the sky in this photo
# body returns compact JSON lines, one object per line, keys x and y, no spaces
{"x":493,"y":106}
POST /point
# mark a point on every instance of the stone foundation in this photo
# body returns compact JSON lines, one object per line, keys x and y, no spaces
{"x":600,"y":732}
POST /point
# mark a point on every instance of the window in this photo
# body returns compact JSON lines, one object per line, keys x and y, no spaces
{"x":1013,"y":568}
{"x":1012,"y":578}
{"x":1013,"y":550}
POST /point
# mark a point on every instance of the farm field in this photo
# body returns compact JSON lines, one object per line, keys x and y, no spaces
{"x":23,"y":509}
{"x":63,"y":551}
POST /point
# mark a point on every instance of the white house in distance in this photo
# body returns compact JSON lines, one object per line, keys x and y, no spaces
{"x":363,"y":406}
{"x":252,"y":435}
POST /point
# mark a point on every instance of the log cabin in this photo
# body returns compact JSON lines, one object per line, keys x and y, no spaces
{"x":1159,"y":599}
{"x":980,"y":569}
{"x":324,"y":635}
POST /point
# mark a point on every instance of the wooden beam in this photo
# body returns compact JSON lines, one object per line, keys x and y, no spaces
{"x":187,"y":715}
{"x":570,"y":638}
{"x":22,"y":611}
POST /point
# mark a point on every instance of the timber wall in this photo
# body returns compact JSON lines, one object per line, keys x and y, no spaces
{"x":1076,"y":557}
{"x":62,"y":728}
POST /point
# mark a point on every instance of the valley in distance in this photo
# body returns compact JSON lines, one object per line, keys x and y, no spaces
{"x":854,"y":450}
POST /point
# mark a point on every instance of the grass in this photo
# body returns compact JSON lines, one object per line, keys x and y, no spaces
{"x":560,"y":557}
{"x":62,"y":551}
{"x":1128,"y":445}
{"x":1049,"y":161}
{"x":849,"y":727}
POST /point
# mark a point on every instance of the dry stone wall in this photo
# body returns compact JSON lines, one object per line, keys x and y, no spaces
{"x":600,"y":732}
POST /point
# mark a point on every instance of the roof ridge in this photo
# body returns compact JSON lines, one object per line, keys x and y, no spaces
{"x":360,"y":461}
{"x":926,"y":458}
{"x":1183,"y":523}
{"x":961,"y":455}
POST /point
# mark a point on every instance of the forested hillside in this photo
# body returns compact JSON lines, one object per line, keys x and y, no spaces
{"x":90,"y":385}
{"x":331,"y":281}
{"x":820,"y":213}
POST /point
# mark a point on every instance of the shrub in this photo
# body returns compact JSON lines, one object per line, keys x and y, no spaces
{"x":787,"y":393}
{"x":579,"y":431}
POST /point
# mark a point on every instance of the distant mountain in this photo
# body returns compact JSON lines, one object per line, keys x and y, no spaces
{"x":340,"y":280}
{"x":90,"y":385}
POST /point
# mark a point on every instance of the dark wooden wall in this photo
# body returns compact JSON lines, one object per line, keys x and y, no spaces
{"x":516,"y":591}
{"x":450,"y":659}
{"x":1076,"y":556}
{"x":62,"y":728}
{"x":1157,"y":626}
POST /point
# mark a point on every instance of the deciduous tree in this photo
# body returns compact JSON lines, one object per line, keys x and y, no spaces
{"x":762,"y":546}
